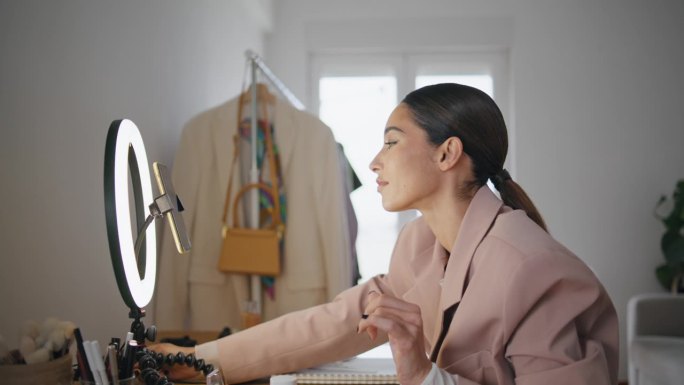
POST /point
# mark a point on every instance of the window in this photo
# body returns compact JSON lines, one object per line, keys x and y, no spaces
{"x":358,"y":107}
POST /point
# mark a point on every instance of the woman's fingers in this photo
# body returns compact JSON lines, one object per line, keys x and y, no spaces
{"x":403,"y":324}
{"x":393,"y":324}
{"x":365,"y":326}
{"x":411,"y":316}
{"x":387,"y":318}
{"x":388,"y":313}
{"x":376,"y":300}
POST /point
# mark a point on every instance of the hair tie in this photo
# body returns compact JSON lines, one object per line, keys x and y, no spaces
{"x":500,"y":177}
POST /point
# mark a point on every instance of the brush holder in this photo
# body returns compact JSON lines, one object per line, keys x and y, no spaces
{"x":55,"y":372}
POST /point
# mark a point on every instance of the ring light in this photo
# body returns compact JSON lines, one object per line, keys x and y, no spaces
{"x":124,"y":150}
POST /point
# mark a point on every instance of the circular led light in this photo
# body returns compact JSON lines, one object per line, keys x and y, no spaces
{"x":125,"y":150}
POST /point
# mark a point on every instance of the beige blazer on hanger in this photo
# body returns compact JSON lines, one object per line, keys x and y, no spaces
{"x":317,"y":262}
{"x":528,"y":310}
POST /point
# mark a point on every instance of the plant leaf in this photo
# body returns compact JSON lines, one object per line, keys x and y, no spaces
{"x":674,"y":254}
{"x":679,"y":200}
{"x":674,"y":220}
{"x":665,"y":275}
{"x":668,"y":239}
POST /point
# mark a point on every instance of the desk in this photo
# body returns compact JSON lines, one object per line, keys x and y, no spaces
{"x":200,"y":337}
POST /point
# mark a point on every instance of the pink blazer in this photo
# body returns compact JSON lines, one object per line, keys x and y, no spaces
{"x":527,"y":311}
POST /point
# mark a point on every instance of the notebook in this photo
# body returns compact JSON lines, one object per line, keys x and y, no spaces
{"x":353,"y":371}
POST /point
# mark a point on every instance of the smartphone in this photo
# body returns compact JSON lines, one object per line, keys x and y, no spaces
{"x":180,"y":235}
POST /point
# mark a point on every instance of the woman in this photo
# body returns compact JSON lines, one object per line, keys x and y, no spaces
{"x":477,"y":291}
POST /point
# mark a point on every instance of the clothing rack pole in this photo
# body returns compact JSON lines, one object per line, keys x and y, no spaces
{"x":255,"y":280}
{"x":257,"y":64}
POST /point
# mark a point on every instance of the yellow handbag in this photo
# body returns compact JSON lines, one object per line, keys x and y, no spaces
{"x":249,"y":250}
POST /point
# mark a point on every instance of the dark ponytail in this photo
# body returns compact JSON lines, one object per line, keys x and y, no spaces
{"x":514,"y":196}
{"x":447,"y":110}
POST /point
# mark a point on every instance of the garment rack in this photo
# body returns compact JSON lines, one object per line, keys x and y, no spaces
{"x":257,"y":64}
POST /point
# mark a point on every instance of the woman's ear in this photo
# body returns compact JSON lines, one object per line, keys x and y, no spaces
{"x":449,"y":153}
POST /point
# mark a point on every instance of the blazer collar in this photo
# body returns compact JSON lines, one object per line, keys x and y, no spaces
{"x":477,"y":221}
{"x":429,"y":266}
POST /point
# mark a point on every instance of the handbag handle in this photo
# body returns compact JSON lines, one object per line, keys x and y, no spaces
{"x":268,"y":143}
{"x":243,"y":190}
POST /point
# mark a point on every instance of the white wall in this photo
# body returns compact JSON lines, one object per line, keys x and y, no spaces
{"x":67,"y":70}
{"x":597,"y":103}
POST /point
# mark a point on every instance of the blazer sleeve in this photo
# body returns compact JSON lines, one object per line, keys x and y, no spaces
{"x":317,"y":335}
{"x":560,"y":324}
{"x":297,"y":340}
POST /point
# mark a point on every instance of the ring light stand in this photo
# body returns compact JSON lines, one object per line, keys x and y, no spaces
{"x":135,"y":267}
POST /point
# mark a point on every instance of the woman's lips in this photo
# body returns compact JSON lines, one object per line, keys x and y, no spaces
{"x":381,"y":183}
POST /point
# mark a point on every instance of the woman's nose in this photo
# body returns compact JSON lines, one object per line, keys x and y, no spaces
{"x":375,"y":163}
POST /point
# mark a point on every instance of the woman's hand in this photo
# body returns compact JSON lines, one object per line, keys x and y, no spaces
{"x":403,"y":324}
{"x":177,"y":372}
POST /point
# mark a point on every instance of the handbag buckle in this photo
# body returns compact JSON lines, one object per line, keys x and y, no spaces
{"x":280,"y":230}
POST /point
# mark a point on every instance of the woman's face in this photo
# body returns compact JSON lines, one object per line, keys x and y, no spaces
{"x":408,"y":174}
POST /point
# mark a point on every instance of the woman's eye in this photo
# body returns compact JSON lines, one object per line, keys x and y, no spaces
{"x":389,"y":144}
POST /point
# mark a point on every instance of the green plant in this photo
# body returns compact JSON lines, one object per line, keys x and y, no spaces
{"x":671,"y":273}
